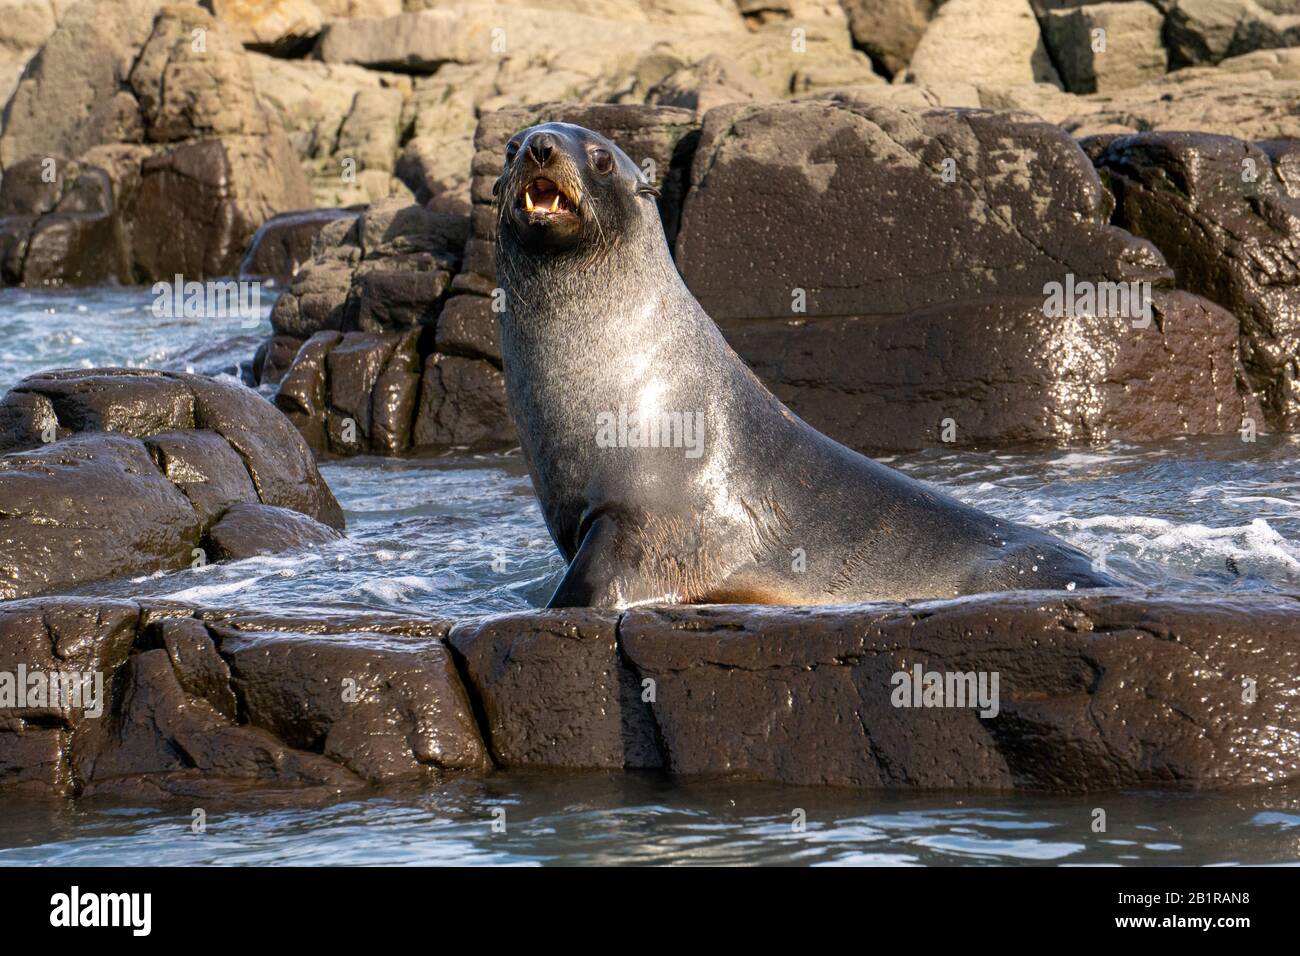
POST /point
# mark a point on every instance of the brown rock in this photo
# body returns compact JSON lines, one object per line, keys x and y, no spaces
{"x":89,"y":507}
{"x":277,"y":458}
{"x":385,"y":707}
{"x":819,"y":171}
{"x":284,"y":242}
{"x":1222,"y":215}
{"x":1126,"y":52}
{"x":1000,"y":371}
{"x":889,"y":30}
{"x":274,"y":357}
{"x":394,"y":398}
{"x":1104,"y":691}
{"x":462,"y":405}
{"x":61,"y":232}
{"x":353,"y":367}
{"x":204,"y":468}
{"x":201,"y":203}
{"x":161,"y":97}
{"x":199,"y":668}
{"x":92,"y":500}
{"x":554,"y":693}
{"x":302,"y":396}
{"x":68,"y":636}
{"x":1207,"y":31}
{"x":72,"y":96}
{"x":162,"y":732}
{"x":246,"y":530}
{"x":192,"y":80}
{"x":381,"y":300}
{"x":467,"y":326}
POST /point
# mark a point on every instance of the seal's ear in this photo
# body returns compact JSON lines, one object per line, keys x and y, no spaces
{"x":645,"y":189}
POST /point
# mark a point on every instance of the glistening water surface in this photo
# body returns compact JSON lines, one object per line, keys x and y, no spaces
{"x":463,"y":535}
{"x":598,"y":818}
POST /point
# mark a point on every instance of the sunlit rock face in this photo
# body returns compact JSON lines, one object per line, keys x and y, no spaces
{"x":147,"y":117}
{"x":925,"y":300}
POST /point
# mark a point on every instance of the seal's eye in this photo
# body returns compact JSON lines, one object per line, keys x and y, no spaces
{"x":602,"y":160}
{"x":512,"y":150}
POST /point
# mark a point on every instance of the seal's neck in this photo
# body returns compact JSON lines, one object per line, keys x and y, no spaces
{"x":621,"y":293}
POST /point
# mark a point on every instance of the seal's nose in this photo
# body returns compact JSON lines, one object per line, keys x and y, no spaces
{"x":541,"y":145}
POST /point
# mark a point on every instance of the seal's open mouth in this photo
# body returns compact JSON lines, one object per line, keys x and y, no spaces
{"x":543,"y":200}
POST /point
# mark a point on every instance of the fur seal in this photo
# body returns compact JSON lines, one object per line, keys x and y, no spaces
{"x":667,"y":472}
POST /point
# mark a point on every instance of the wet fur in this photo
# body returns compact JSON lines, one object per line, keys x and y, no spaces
{"x":590,"y":324}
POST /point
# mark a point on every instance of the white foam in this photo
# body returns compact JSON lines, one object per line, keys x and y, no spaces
{"x":1254,"y":541}
{"x":205,"y":591}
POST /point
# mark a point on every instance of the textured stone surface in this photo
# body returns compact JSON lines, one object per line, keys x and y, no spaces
{"x":995,"y":44}
{"x":553,"y":691}
{"x":1207,"y":31}
{"x":283,"y":243}
{"x":1094,"y":691}
{"x":179,"y":163}
{"x":1020,"y":206}
{"x":463,"y":405}
{"x":889,"y":30}
{"x":1231,"y":232}
{"x":234,"y":704}
{"x":1255,"y":100}
{"x":999,"y":371}
{"x":1106,"y":46}
{"x":387,"y":707}
{"x":114,"y":472}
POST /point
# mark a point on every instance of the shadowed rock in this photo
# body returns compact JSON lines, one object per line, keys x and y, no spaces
{"x":283,"y":243}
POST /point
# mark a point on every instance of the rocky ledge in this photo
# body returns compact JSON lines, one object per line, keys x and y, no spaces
{"x":1179,"y":289}
{"x":108,"y":473}
{"x":1066,"y":692}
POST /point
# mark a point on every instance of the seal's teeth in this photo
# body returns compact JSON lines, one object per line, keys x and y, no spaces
{"x":528,"y":200}
{"x":555,"y":205}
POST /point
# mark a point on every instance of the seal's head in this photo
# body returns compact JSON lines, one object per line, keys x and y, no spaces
{"x":565,"y":188}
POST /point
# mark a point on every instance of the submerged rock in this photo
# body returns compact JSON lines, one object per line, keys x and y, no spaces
{"x":1036,"y":690}
{"x":108,"y":473}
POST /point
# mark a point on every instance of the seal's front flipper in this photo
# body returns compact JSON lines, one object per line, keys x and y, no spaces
{"x":605,"y":573}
